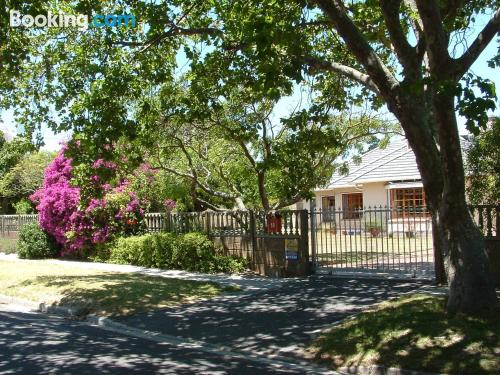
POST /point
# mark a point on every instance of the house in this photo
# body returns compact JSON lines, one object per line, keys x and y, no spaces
{"x":387,"y":179}
{"x":384,"y":177}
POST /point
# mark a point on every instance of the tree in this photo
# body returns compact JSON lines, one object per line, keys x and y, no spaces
{"x":483,"y":166}
{"x":11,"y":153}
{"x":236,"y":156}
{"x":408,"y":55}
{"x":26,"y":176}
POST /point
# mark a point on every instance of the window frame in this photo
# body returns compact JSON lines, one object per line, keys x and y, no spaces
{"x":408,"y":202}
{"x":347,"y":205}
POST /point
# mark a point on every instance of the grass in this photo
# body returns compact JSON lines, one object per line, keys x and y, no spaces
{"x":414,"y":333}
{"x":8,"y":245}
{"x":99,"y":292}
{"x":328,"y":243}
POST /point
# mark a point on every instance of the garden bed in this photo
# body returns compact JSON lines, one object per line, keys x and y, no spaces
{"x":414,"y":333}
{"x":99,"y":292}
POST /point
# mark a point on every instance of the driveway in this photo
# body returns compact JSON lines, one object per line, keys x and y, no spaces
{"x":275,"y":322}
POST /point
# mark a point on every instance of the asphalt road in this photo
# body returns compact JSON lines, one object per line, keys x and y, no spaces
{"x":36,"y":344}
{"x":241,"y":333}
{"x":275,"y":322}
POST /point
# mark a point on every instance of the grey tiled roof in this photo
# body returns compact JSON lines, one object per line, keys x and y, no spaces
{"x":395,"y":162}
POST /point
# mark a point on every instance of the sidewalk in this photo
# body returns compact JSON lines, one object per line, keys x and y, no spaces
{"x":246,"y":282}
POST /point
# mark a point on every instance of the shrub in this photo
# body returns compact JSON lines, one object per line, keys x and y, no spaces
{"x":34,"y":243}
{"x":149,"y":250}
{"x":78,"y":224}
{"x":190,"y":252}
{"x":194,"y":252}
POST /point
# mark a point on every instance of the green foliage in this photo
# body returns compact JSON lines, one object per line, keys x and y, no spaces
{"x":149,"y":250}
{"x":12,"y":152}
{"x":22,"y":179}
{"x":34,"y":243}
{"x":24,"y":206}
{"x":473,"y":107}
{"x":483,"y":166}
{"x":194,"y":252}
{"x":190,"y":252}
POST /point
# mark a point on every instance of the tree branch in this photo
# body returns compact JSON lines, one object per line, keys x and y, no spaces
{"x":209,"y":205}
{"x":451,"y":8}
{"x":359,"y":46}
{"x":435,"y":35}
{"x":405,"y":52}
{"x":173,"y":31}
{"x":346,"y":71}
{"x":463,"y":63}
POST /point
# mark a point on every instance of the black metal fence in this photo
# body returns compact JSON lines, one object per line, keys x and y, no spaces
{"x":373,"y":239}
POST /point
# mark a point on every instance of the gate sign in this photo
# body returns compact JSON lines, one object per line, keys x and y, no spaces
{"x":292,"y":249}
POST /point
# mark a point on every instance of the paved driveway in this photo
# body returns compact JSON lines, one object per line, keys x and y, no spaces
{"x":279,"y":321}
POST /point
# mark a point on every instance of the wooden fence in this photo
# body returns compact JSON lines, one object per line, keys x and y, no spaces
{"x":228,"y":223}
{"x":487,"y":218}
{"x":10,"y":224}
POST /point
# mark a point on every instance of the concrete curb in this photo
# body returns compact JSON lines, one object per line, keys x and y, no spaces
{"x":109,"y":324}
{"x":65,"y":311}
{"x":278,"y":361}
{"x":380,"y":370}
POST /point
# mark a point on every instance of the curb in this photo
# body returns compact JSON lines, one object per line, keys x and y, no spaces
{"x":65,"y":311}
{"x":380,"y":370}
{"x":278,"y":361}
{"x":109,"y":324}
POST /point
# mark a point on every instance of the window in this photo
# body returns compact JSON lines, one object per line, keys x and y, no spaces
{"x":408,"y":202}
{"x":352,"y":205}
{"x":328,"y":203}
{"x":328,"y":206}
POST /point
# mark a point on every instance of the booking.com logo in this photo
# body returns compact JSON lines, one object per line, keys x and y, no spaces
{"x":70,"y":20}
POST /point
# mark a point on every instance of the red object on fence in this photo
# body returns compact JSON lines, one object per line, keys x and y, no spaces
{"x":273,"y":224}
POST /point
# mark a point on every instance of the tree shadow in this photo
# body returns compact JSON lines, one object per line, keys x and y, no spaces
{"x":280,"y":321}
{"x":39,"y":345}
{"x":122,"y":293}
{"x":415,"y":334}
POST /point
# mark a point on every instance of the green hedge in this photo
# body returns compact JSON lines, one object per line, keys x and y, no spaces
{"x":190,"y":252}
{"x":34,"y":243}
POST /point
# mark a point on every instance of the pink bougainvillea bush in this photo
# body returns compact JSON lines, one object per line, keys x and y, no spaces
{"x":79,"y":224}
{"x":57,"y":200}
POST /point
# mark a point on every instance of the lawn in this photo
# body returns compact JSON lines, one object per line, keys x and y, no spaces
{"x":99,"y":292}
{"x":8,"y":245}
{"x":414,"y":333}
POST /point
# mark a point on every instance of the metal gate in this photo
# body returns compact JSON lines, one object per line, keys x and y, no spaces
{"x":372,"y":239}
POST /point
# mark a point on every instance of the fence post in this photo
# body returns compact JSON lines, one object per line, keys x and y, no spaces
{"x":207,"y":222}
{"x":489,"y":222}
{"x":304,"y":240}
{"x":253,"y":233}
{"x":312,"y":212}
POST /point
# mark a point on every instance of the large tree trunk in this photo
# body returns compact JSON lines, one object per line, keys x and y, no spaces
{"x":455,"y":234}
{"x":469,"y":277}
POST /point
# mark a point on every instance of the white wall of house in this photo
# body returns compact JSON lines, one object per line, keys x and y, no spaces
{"x":374,"y":194}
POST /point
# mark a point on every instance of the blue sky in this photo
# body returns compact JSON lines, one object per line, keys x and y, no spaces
{"x":284,"y":107}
